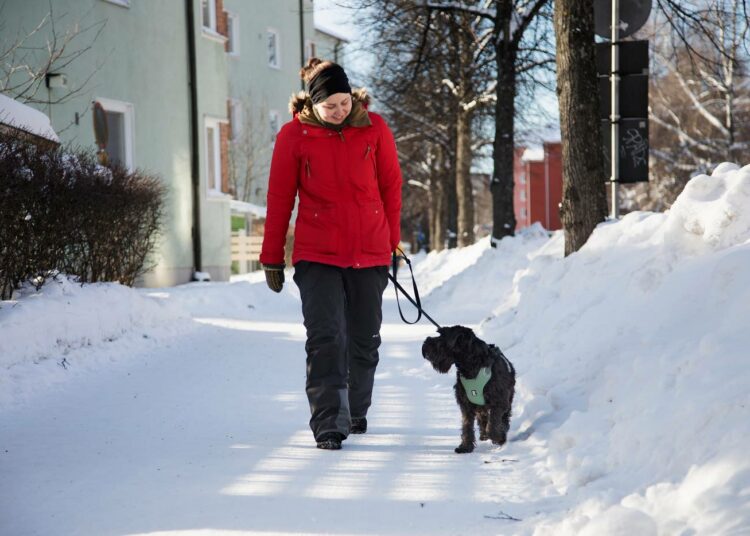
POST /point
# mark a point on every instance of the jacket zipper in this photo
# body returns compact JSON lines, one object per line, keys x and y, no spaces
{"x":367,"y":152}
{"x":307,"y":168}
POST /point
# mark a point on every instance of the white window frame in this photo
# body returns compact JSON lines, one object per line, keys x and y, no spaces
{"x":524,"y":214}
{"x":233,"y":27}
{"x":523,"y":195}
{"x":211,"y":26}
{"x":236,"y":118}
{"x":274,"y":115}
{"x":215,"y":123}
{"x":275,"y":32}
{"x":128,"y":111}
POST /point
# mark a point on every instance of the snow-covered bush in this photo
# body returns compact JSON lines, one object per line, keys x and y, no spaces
{"x":60,"y":211}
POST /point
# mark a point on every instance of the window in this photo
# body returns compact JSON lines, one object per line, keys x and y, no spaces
{"x":233,"y":34}
{"x":274,"y":123}
{"x":523,"y":213}
{"x":119,"y":131}
{"x":213,"y":154}
{"x":236,"y":118}
{"x":522,"y":177}
{"x":311,"y":50}
{"x":523,"y":195}
{"x":208,"y":10}
{"x":274,"y":52}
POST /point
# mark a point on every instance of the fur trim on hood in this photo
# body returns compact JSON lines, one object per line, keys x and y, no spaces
{"x":301,"y":99}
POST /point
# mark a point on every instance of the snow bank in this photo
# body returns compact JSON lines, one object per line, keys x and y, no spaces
{"x":41,"y":329}
{"x":51,"y":334}
{"x":632,"y":360}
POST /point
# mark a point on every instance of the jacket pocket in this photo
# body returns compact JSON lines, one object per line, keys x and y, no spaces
{"x":316,"y":230}
{"x":376,"y":235}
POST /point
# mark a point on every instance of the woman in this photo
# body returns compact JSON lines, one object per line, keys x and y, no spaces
{"x":341,"y":160}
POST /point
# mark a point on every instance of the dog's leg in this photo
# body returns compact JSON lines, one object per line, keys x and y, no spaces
{"x":467,"y":429}
{"x":499,"y":425}
{"x":484,"y":424}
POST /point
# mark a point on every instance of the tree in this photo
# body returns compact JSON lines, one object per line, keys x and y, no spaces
{"x":700,"y":102}
{"x":509,"y":21}
{"x":584,"y":203}
{"x":250,"y":148}
{"x":25,"y":62}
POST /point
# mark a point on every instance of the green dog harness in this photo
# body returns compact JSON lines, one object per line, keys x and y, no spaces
{"x":474,"y":387}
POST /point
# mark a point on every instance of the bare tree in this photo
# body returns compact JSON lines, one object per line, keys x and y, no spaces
{"x":700,"y":102}
{"x":250,"y":148}
{"x":27,"y":57}
{"x":584,"y":203}
{"x":508,"y":24}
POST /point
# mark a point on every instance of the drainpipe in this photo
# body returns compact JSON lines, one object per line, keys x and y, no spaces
{"x":302,"y":38}
{"x":194,"y":139}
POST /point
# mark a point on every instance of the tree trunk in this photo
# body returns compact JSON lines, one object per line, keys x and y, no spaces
{"x":438,"y":203}
{"x":584,"y":203}
{"x":503,"y":217}
{"x":464,"y":195}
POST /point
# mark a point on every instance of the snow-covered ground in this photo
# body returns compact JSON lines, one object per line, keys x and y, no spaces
{"x":181,"y":411}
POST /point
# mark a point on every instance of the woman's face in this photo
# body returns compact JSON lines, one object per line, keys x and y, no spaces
{"x":335,"y":108}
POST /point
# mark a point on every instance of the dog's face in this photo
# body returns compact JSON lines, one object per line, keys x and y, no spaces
{"x":454,"y":344}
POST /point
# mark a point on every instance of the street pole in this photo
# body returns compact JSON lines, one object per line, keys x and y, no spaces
{"x":614,"y":75}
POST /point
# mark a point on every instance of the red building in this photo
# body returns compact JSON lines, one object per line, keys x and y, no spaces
{"x":537,"y":193}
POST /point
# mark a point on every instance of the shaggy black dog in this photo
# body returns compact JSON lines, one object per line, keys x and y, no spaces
{"x":457,"y":345}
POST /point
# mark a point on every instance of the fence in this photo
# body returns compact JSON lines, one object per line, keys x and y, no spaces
{"x":246,"y":251}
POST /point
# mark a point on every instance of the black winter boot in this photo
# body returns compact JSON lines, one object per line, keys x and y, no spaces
{"x":330,"y":441}
{"x":359,"y":425}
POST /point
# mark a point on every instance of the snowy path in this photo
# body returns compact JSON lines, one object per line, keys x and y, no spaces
{"x":208,"y":435}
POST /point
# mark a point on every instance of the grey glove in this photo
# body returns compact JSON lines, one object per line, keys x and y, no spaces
{"x":274,"y":276}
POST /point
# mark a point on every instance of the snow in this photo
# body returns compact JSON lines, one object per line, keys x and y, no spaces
{"x":533,"y":154}
{"x":26,"y":118}
{"x":247,"y":208}
{"x":181,"y":411}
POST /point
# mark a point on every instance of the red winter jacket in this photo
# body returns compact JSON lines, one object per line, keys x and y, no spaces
{"x":349,"y":187}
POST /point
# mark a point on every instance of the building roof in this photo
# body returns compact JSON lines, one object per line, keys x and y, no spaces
{"x":533,"y":154}
{"x":330,"y":32}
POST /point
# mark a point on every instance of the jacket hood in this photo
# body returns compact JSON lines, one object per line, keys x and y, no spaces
{"x":300,"y":105}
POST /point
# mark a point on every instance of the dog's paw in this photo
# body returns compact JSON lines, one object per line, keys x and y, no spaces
{"x":500,"y":440}
{"x":464,"y":449}
{"x":483,"y":437}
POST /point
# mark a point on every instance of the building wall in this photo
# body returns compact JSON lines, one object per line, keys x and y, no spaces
{"x":141,"y":58}
{"x":260,"y":88}
{"x":330,"y":48}
{"x":538,"y":187}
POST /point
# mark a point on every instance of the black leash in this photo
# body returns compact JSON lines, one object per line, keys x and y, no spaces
{"x":418,"y":302}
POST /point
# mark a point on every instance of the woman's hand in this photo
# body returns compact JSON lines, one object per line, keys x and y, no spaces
{"x":274,"y":276}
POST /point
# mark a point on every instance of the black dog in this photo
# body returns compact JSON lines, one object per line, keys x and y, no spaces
{"x":476,"y":363}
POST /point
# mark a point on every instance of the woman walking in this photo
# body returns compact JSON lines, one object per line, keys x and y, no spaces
{"x":341,"y":161}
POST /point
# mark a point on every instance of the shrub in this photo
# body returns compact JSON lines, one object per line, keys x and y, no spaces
{"x":62,"y":212}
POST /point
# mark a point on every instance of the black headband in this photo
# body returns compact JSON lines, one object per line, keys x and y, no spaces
{"x":327,"y":82}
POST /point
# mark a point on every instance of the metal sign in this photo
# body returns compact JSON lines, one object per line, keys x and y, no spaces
{"x":633,"y":149}
{"x":633,"y":15}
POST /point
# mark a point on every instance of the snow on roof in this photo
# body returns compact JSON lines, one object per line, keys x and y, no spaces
{"x":533,"y":154}
{"x":247,"y":208}
{"x":333,"y":33}
{"x":26,"y":118}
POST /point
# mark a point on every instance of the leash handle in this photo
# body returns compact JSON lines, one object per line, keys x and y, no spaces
{"x":397,"y":287}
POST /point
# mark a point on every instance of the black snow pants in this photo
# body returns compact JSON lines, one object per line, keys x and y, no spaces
{"x":342,"y":310}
